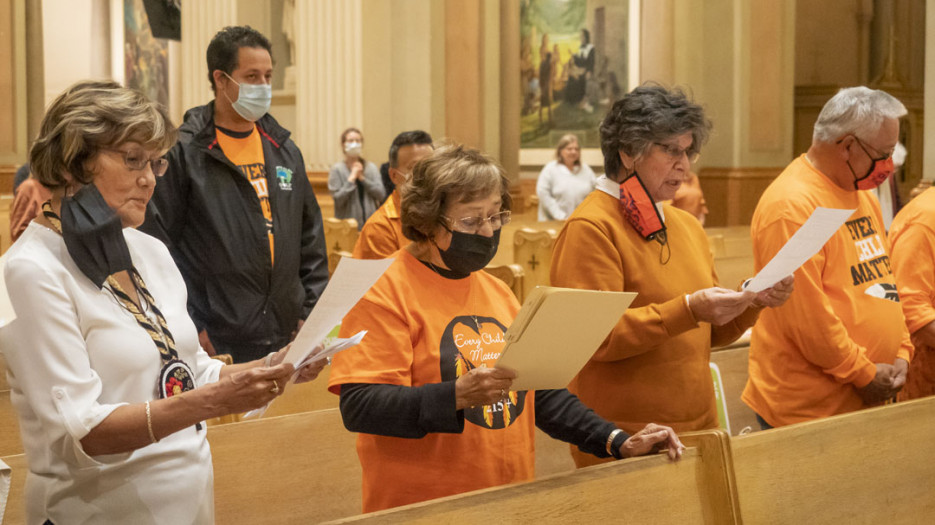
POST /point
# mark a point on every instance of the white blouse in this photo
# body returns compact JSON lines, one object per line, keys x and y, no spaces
{"x":561,"y":190}
{"x":73,"y":356}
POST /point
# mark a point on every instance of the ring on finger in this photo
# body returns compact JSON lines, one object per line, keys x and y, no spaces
{"x":502,"y":393}
{"x":274,"y":389}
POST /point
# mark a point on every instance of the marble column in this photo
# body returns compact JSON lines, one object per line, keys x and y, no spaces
{"x":329,"y":77}
{"x":201,"y":20}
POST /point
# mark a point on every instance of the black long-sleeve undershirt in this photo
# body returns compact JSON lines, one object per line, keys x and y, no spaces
{"x":413,"y":412}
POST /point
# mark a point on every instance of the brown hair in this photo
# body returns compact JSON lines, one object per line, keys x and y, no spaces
{"x":348,"y":131}
{"x":563,"y":142}
{"x":90,"y":116}
{"x":451,"y":174}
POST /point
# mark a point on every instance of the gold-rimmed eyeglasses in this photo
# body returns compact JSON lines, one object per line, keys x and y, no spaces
{"x":474,"y":224}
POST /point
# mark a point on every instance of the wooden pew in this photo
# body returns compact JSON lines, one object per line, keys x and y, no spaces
{"x":15,"y":512}
{"x":10,"y":441}
{"x":511,"y":274}
{"x":872,"y":466}
{"x":340,"y":234}
{"x":4,"y":385}
{"x":300,"y":468}
{"x":307,"y":397}
{"x":641,"y":490}
{"x":732,"y":363}
{"x":532,"y":249}
{"x":334,"y":258}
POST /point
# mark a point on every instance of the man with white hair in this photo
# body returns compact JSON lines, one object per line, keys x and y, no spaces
{"x":840,"y":342}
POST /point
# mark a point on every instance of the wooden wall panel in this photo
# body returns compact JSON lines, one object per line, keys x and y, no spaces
{"x":732,"y":193}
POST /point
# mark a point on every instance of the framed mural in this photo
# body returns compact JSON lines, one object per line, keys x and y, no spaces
{"x":576,"y":58}
{"x":145,"y":58}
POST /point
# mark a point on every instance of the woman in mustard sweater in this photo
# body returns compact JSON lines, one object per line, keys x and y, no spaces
{"x":654,"y":364}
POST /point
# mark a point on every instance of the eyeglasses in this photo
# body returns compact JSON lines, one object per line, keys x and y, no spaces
{"x":865,"y":146}
{"x":136,"y":160}
{"x":675,"y":153}
{"x":474,"y":224}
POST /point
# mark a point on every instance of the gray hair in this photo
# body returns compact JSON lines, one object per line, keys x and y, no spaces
{"x":648,"y":114}
{"x":856,"y":110}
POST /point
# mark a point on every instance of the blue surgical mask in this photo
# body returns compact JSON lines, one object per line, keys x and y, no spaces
{"x":253,"y":100}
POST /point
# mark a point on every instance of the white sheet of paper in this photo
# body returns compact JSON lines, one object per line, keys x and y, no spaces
{"x":801,"y":247}
{"x":351,"y":280}
{"x":5,"y":477}
{"x":7,"y":314}
{"x":336,"y":345}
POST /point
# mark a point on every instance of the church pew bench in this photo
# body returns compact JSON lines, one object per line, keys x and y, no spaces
{"x":300,"y":468}
{"x":872,"y":466}
{"x":732,"y":363}
{"x":10,"y":441}
{"x":640,"y":490}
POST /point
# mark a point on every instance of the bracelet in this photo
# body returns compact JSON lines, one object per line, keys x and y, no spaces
{"x":610,"y":441}
{"x":149,"y":424}
{"x":268,"y":360}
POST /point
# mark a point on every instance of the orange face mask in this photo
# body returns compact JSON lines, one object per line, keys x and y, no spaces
{"x":640,"y":210}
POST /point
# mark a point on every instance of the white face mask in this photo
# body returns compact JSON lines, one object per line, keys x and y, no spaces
{"x":353,"y":148}
{"x":253,"y":100}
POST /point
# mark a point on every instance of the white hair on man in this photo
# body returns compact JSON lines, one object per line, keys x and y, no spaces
{"x":856,"y":110}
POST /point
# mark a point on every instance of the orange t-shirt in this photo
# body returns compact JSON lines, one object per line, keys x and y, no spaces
{"x":912,"y":246}
{"x":809,"y":356}
{"x":382,"y":234}
{"x":422,"y":329}
{"x":247,"y":154}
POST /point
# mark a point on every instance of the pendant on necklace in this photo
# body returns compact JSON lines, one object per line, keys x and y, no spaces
{"x":476,"y":324}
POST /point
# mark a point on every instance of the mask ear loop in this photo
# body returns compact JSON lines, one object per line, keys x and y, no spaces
{"x":664,"y":248}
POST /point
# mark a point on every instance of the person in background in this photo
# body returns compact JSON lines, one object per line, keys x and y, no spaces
{"x":690,"y":198}
{"x":654,"y":365}
{"x":354,"y":183}
{"x":382,"y":235}
{"x":564,"y":182}
{"x":435,"y":416}
{"x":22,"y":173}
{"x":912,"y":257}
{"x":237,"y":211}
{"x":106,"y":373}
{"x":28,"y":196}
{"x":887,"y":194}
{"x":840,"y":344}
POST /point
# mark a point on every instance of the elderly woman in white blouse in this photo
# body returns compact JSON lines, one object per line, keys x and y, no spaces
{"x":564,"y":182}
{"x":106,"y":374}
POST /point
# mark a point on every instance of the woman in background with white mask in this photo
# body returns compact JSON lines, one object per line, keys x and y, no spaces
{"x":355,"y":184}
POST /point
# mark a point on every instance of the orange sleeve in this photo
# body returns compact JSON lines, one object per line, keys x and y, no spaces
{"x":585,"y":258}
{"x":374,"y":360}
{"x":376,"y":241}
{"x":913,"y":261}
{"x":808,"y":317}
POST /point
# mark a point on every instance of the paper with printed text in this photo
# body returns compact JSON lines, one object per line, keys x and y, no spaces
{"x":802,"y":246}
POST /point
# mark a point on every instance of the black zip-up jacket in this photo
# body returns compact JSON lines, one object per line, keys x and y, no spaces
{"x":205,"y":210}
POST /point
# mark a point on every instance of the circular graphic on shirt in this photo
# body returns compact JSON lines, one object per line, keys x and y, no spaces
{"x":467,"y":343}
{"x":176,"y":377}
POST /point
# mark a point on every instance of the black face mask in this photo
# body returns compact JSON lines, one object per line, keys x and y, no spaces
{"x":469,"y":252}
{"x":93,"y":234}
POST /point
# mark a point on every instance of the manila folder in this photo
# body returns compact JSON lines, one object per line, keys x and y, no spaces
{"x":556,"y":332}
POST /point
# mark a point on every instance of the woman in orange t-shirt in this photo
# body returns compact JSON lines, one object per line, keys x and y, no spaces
{"x":434,"y":415}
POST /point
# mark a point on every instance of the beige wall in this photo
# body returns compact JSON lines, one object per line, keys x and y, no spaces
{"x":737,"y":60}
{"x":76,"y":43}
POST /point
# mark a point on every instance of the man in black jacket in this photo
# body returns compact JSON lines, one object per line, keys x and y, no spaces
{"x":237,"y":211}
